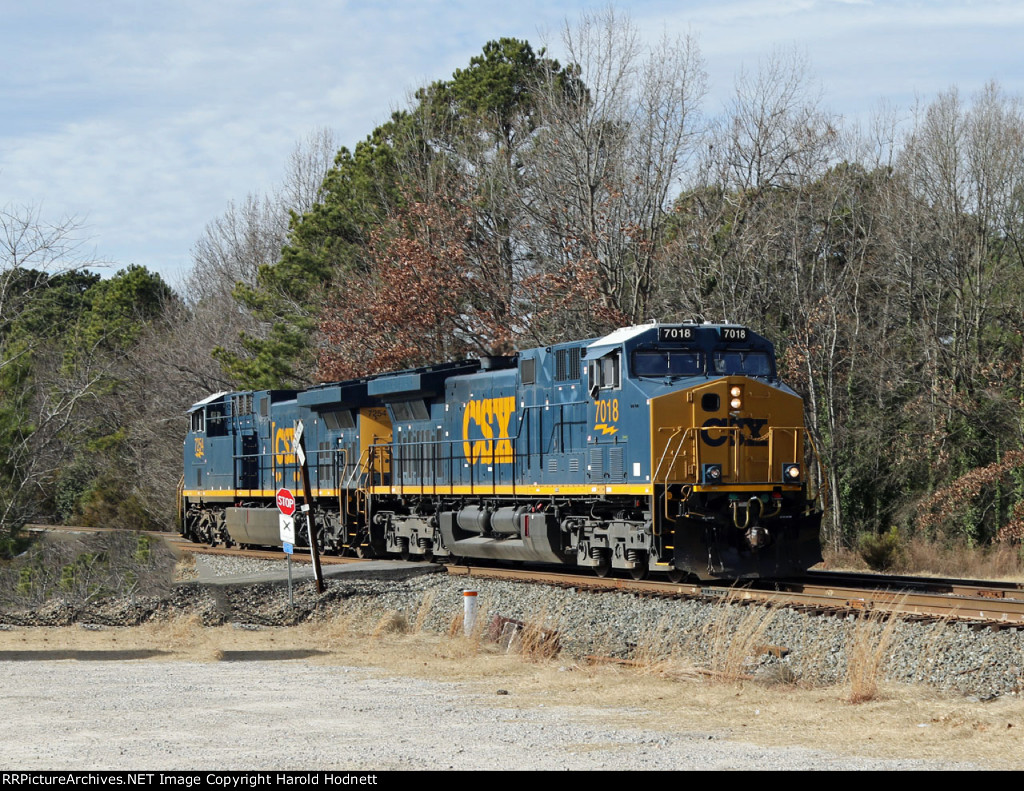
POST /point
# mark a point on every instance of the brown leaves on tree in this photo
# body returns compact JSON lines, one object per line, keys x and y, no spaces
{"x":433,"y":293}
{"x":410,"y":307}
{"x":951,"y":501}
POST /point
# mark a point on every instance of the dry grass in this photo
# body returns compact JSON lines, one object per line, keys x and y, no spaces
{"x":391,"y":623}
{"x":656,"y":650}
{"x":335,"y":632}
{"x":652,"y":693}
{"x":538,"y":640}
{"x":919,"y":557}
{"x":866,"y":653}
{"x":185,"y":567}
{"x":659,"y":653}
{"x":423,"y":613}
{"x":1000,"y":561}
{"x":737,"y":635}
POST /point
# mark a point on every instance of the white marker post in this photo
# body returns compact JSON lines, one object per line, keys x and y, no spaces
{"x":469,"y":612}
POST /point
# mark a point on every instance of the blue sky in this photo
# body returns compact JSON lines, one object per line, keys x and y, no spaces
{"x":144,"y":119}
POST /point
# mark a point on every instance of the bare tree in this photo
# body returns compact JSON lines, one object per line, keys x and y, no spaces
{"x":736,"y":224}
{"x":966,"y":165}
{"x":250,"y":234}
{"x":37,"y":403}
{"x":233,"y":247}
{"x":33,"y":251}
{"x":308,"y":163}
{"x":610,"y":155}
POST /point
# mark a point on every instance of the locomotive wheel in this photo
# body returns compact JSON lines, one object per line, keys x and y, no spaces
{"x":639,"y":571}
{"x":604,"y":564}
{"x":403,"y":551}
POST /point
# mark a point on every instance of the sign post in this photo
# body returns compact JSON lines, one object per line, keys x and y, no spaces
{"x":298,"y":447}
{"x":286,"y":523}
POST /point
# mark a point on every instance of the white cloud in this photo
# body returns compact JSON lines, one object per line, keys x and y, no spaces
{"x":148,"y":118}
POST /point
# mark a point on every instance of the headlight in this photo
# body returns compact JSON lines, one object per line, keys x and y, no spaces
{"x":791,"y":473}
{"x":711,"y":473}
{"x":735,"y":391}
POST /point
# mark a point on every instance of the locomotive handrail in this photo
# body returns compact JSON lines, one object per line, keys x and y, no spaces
{"x":668,"y":443}
{"x":696,"y":431}
{"x":181,"y":501}
{"x":823,"y":487}
{"x":402,"y":463}
{"x":661,"y":461}
{"x":663,"y":470}
{"x":343,"y":452}
{"x":399,"y":464}
{"x":771,"y":444}
{"x":357,"y":470}
{"x":555,"y":426}
{"x":348,"y":481}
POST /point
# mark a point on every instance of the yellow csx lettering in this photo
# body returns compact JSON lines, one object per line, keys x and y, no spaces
{"x":491,"y":416}
{"x":199,"y":447}
{"x":283,"y":446}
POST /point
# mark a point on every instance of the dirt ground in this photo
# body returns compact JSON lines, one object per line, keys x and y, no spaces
{"x":337,"y":695}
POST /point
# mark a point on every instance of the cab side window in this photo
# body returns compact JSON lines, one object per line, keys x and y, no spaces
{"x":605,"y":372}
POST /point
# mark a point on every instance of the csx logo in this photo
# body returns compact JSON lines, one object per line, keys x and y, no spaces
{"x":199,"y":447}
{"x":749,"y":431}
{"x":283,"y":446}
{"x":485,"y":430}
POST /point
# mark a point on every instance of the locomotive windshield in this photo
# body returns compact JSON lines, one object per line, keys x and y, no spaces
{"x":741,"y":363}
{"x":689,"y":362}
{"x":665,"y":362}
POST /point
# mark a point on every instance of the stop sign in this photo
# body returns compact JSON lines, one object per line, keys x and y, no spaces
{"x":286,"y":501}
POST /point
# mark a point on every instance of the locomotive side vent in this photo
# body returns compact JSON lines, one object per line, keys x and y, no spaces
{"x":567,"y":364}
{"x":616,"y":463}
{"x":528,"y":370}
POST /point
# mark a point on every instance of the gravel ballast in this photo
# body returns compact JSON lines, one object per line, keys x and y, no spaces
{"x":292,"y":714}
{"x":952,"y":656}
{"x":959,"y":657}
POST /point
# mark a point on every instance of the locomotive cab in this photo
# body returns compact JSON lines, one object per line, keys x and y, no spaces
{"x":726,"y":450}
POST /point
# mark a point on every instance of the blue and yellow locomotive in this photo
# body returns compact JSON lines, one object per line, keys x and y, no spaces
{"x":657,"y":448}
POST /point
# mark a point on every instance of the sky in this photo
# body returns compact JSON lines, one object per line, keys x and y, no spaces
{"x":142,"y":120}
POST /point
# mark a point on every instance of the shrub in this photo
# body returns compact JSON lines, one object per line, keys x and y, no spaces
{"x":883,"y":551}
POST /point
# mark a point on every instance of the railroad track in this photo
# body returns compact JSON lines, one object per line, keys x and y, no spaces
{"x":983,"y":603}
{"x":874,"y":594}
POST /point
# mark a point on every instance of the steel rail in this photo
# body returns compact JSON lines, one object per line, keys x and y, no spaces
{"x":982,"y":602}
{"x":823,"y":598}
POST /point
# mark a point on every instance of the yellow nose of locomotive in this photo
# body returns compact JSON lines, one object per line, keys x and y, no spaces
{"x":730,"y":433}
